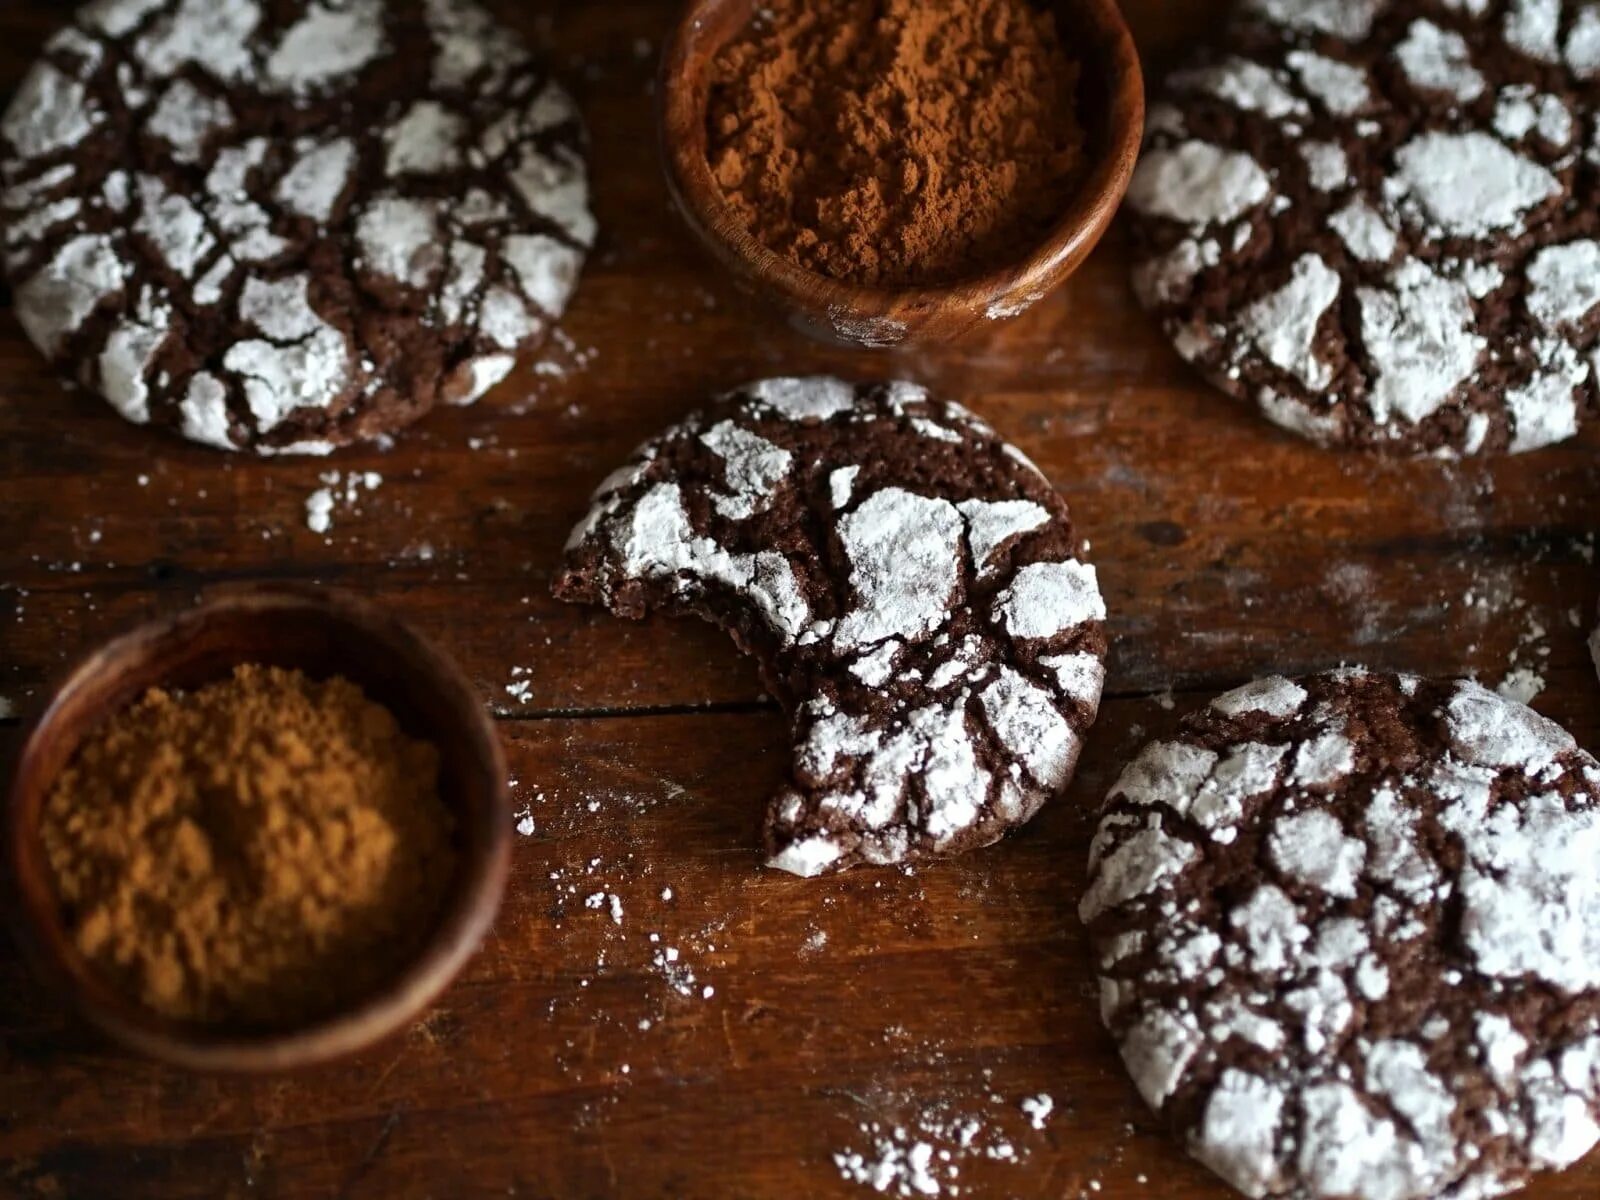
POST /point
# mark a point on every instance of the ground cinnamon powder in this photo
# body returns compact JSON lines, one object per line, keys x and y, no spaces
{"x":258,"y":851}
{"x":896,"y":142}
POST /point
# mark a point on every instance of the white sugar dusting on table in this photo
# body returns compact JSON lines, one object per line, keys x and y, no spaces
{"x":920,"y":1148}
{"x":337,"y":489}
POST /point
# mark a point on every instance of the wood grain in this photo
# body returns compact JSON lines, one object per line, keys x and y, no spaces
{"x":643,"y":752}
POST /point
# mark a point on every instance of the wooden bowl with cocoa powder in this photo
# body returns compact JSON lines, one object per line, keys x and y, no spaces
{"x":1109,"y":109}
{"x":322,"y":634}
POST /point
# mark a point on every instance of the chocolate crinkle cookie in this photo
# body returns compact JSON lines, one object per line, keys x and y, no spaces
{"x":285,"y":225}
{"x":1348,"y":936}
{"x":910,"y":586}
{"x":1377,"y":220}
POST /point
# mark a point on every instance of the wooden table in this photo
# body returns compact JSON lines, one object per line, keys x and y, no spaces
{"x":727,"y":1031}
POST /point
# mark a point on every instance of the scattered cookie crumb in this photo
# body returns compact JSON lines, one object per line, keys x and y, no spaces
{"x":1038,"y":1109}
{"x":895,"y":1169}
{"x":520,"y":688}
{"x":336,"y":487}
{"x":319,"y":511}
{"x":922,"y":1154}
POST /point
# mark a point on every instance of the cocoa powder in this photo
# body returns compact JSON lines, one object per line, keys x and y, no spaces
{"x":896,"y":142}
{"x":258,"y":852}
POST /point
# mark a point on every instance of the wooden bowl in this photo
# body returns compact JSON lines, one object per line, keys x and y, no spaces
{"x":1111,"y":108}
{"x":322,"y":633}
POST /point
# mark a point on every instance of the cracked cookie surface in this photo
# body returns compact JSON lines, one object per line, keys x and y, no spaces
{"x":1379,"y":220}
{"x":1348,"y":938}
{"x":284,"y":226}
{"x":910,"y":586}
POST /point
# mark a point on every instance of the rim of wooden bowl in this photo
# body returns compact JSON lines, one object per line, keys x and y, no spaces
{"x":706,"y":26}
{"x":118,"y":672}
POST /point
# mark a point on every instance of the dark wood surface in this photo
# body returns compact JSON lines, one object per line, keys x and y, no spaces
{"x":574,"y":1060}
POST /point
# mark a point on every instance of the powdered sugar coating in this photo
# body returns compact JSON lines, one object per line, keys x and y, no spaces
{"x":81,"y":275}
{"x":904,"y":552}
{"x":910,"y":585}
{"x":1564,"y":284}
{"x":1522,"y":110}
{"x":992,"y":524}
{"x":753,"y":466}
{"x":1197,"y":183}
{"x":1327,"y":165}
{"x":319,"y":177}
{"x":1364,"y":232}
{"x":1439,"y":60}
{"x":1248,"y":86}
{"x":1283,"y":324}
{"x":1339,"y":87}
{"x":1274,"y":695}
{"x":1418,"y":331}
{"x":1468,"y":184}
{"x":1532,"y":27}
{"x":434,"y":252}
{"x":1583,"y":43}
{"x":327,"y":44}
{"x":1296,"y":1000}
{"x":1341,"y":18}
{"x":1411,"y":134}
{"x":1312,"y":847}
{"x":1048,"y":599}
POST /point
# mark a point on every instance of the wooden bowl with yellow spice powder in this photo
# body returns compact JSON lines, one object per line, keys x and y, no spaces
{"x":261,"y":834}
{"x":898,"y":171}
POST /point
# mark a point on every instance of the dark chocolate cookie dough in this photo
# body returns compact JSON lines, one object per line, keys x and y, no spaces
{"x":1377,"y":220}
{"x":910,"y":585}
{"x":1348,"y":935}
{"x":289,"y":224}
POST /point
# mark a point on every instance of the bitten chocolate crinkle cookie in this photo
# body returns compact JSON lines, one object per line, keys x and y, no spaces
{"x":1348,"y":933}
{"x":288,"y":225}
{"x":1379,"y":220}
{"x":910,"y":586}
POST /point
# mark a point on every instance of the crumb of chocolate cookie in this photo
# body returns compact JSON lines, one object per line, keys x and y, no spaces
{"x":288,"y":226}
{"x":909,"y":584}
{"x":1377,"y":222}
{"x":1348,"y":937}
